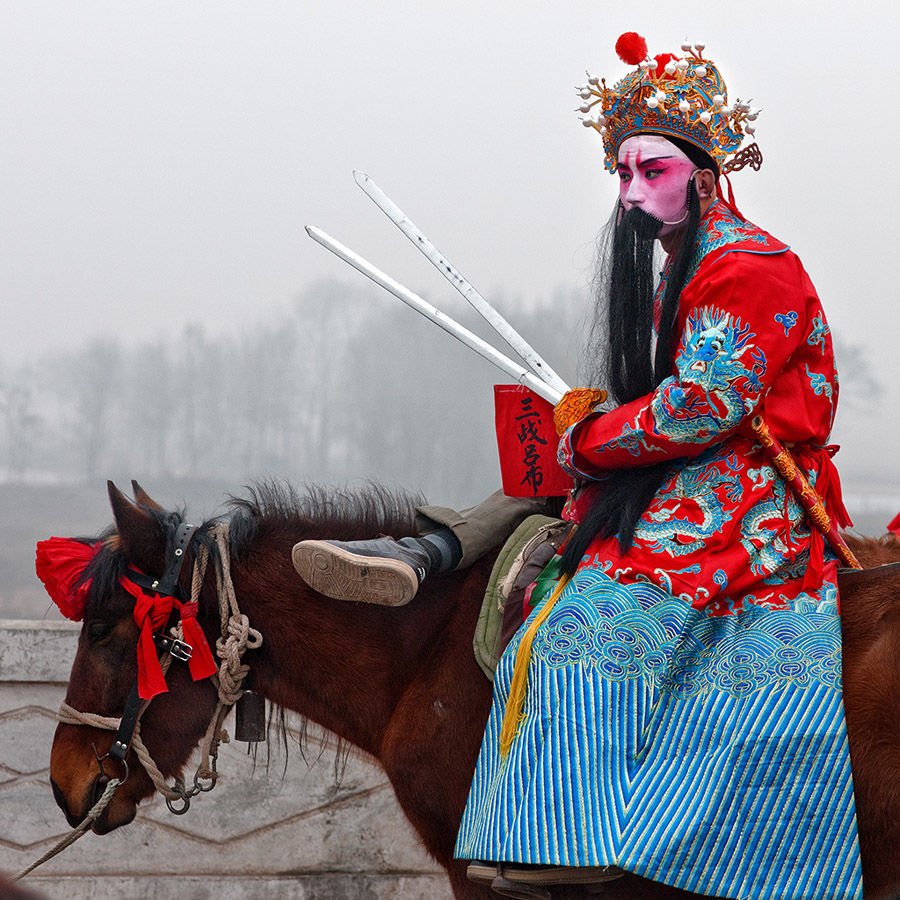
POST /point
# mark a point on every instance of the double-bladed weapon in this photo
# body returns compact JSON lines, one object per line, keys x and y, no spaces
{"x":541,"y":378}
{"x":452,"y":274}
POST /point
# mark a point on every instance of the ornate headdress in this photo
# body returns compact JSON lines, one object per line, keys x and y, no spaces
{"x":678,"y":97}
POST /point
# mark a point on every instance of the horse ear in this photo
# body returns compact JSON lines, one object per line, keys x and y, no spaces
{"x":142,"y":498}
{"x":141,"y":534}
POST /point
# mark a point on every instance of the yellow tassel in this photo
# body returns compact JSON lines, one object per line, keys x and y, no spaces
{"x":515,"y":703}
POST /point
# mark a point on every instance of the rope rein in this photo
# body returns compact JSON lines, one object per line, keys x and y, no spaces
{"x":236,"y":638}
{"x":75,"y":833}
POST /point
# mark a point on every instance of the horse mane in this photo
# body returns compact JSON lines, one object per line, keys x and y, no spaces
{"x":874,"y":551}
{"x":272,"y":507}
{"x":275,"y":509}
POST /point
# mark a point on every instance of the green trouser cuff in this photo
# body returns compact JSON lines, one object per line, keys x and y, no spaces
{"x":482,"y":527}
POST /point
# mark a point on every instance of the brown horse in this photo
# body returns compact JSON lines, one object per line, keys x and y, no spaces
{"x":402,"y":684}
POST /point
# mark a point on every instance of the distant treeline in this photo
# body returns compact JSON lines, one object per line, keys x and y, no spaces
{"x":349,"y":384}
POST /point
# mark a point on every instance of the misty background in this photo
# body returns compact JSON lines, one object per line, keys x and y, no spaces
{"x":166,"y":318}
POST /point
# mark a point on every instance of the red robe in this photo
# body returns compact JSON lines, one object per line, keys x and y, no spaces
{"x":723,"y":531}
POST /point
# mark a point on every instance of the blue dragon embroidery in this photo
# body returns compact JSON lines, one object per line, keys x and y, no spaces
{"x":763,"y":527}
{"x":714,"y":388}
{"x":695,"y":491}
{"x":720,"y":231}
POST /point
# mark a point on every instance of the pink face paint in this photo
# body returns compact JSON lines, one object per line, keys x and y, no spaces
{"x":654,"y":175}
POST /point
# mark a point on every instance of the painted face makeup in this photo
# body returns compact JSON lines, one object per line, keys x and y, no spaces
{"x":654,"y":175}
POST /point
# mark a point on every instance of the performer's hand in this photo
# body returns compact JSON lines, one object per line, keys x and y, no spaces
{"x":574,"y":406}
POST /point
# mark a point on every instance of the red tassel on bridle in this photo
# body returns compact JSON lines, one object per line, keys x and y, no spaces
{"x":151,"y":612}
{"x":202,"y":664}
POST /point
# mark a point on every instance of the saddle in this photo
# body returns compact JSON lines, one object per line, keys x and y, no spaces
{"x":522,"y":559}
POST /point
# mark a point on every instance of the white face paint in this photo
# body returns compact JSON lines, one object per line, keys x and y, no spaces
{"x":654,"y":175}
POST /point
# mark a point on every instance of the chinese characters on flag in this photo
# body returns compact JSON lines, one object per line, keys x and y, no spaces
{"x":527,"y":442}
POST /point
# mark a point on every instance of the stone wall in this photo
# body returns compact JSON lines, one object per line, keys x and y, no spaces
{"x":279,"y":827}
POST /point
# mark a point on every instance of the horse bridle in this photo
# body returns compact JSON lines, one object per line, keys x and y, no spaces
{"x":169,"y":585}
{"x":240,"y":637}
{"x":229,"y":678}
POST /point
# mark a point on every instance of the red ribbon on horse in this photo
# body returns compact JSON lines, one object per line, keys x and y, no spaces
{"x":61,"y":565}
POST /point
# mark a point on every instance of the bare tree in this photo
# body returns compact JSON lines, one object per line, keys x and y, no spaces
{"x":21,"y":424}
{"x":89,"y":387}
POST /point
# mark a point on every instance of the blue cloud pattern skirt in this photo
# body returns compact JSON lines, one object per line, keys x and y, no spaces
{"x":706,"y":753}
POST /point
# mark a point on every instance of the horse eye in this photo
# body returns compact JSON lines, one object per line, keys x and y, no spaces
{"x":97,"y":631}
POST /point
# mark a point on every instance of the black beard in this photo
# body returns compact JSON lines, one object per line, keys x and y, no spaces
{"x":631,"y":305}
{"x":644,"y":226}
{"x":630,"y":370}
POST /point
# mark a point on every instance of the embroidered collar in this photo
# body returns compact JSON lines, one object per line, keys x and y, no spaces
{"x":721,"y":228}
{"x":720,"y":232}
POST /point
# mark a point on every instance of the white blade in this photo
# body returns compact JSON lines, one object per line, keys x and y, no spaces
{"x":461,"y":333}
{"x":443,"y":265}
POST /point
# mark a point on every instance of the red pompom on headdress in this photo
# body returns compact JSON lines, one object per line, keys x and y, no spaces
{"x":60,"y":564}
{"x":631,"y":47}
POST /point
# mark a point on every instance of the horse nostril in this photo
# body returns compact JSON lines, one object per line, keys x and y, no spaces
{"x":59,"y":797}
{"x":92,"y":795}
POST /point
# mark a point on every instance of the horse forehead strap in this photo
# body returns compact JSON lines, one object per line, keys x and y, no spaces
{"x":167,"y":585}
{"x":154,"y":600}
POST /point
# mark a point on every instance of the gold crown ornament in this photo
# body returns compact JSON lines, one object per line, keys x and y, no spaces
{"x":681,"y":97}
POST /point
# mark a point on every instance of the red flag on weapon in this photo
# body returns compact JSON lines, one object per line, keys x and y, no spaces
{"x":527,"y":440}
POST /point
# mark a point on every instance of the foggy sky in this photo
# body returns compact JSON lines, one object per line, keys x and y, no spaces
{"x":159,"y":161}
